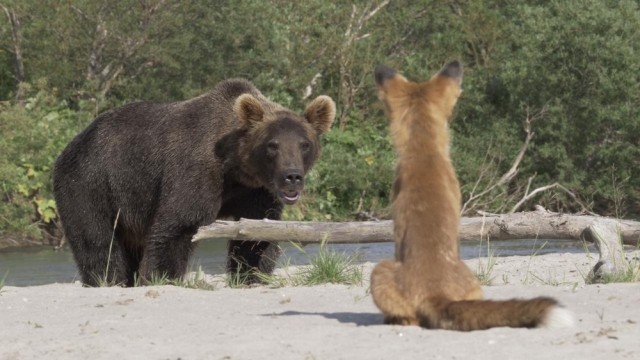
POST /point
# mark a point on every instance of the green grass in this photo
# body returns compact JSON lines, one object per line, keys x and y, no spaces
{"x":484,"y":270}
{"x":327,"y":266}
{"x":241,"y":279}
{"x":2,"y":280}
{"x":330,"y":266}
{"x":630,"y":274}
{"x":197,"y":281}
{"x":551,"y":280}
{"x":278,"y":281}
{"x":534,"y":253}
{"x":103,"y":280}
{"x":238,"y":279}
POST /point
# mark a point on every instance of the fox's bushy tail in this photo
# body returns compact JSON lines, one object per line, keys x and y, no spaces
{"x":471,"y":315}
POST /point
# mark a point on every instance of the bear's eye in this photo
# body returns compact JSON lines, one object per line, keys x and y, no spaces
{"x":305,"y":146}
{"x":273,"y":146}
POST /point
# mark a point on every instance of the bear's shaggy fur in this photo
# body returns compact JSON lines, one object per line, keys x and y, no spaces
{"x":163,"y":170}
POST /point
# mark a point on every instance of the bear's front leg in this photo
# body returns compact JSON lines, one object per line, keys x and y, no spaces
{"x":247,"y":259}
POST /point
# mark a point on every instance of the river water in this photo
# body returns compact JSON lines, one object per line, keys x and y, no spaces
{"x":44,"y":265}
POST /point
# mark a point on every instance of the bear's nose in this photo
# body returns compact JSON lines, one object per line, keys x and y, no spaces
{"x":293,"y":177}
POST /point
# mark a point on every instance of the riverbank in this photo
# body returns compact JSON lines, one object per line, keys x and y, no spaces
{"x":8,"y":243}
{"x":320,"y":322}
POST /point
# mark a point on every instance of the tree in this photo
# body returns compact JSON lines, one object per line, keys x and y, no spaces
{"x":14,"y":46}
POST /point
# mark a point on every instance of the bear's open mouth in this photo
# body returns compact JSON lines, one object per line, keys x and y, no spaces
{"x":289,"y":197}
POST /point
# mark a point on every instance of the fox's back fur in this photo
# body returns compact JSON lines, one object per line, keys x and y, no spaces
{"x":428,"y":284}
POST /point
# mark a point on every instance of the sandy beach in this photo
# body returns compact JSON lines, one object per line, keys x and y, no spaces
{"x":67,"y":321}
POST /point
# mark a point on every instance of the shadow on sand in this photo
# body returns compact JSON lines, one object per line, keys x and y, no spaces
{"x":360,"y":319}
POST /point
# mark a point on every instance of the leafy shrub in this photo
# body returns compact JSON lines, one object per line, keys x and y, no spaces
{"x":34,"y":133}
{"x":354,"y":174}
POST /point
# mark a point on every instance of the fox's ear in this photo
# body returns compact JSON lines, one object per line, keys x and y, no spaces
{"x":383,"y":73}
{"x":452,"y":70}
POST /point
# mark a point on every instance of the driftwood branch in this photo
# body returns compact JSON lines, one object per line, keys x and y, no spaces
{"x":608,"y":234}
{"x":524,"y":225}
{"x":612,"y":260}
{"x":303,"y":232}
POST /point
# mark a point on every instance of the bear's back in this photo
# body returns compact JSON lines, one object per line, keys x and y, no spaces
{"x":149,"y":129}
{"x":139,"y":145}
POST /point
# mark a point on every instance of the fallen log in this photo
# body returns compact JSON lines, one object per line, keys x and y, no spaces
{"x":608,"y":234}
{"x":539,"y":224}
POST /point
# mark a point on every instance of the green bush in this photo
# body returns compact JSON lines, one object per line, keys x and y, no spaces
{"x":577,"y":61}
{"x":354,"y":174}
{"x":34,"y":133}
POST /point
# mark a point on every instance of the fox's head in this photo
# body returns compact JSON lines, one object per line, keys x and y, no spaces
{"x":418,"y":107}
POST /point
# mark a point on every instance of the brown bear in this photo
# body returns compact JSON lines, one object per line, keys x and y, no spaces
{"x":135,"y":185}
{"x":428,"y":284}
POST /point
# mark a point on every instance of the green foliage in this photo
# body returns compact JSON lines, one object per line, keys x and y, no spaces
{"x":354,"y":173}
{"x":34,"y":133}
{"x":7,"y":82}
{"x":579,"y":60}
{"x":572,"y":66}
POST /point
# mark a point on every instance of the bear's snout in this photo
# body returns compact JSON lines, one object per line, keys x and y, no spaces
{"x":293,"y":177}
{"x":291,"y":186}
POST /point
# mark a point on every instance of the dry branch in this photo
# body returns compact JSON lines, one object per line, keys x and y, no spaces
{"x":511,"y":173}
{"x":346,"y":56}
{"x":612,"y":260}
{"x":524,"y":225}
{"x":529,"y":195}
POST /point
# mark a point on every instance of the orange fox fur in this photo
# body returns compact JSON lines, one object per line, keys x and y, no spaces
{"x":428,"y":284}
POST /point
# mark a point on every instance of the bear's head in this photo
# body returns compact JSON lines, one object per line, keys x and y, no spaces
{"x":279,"y":146}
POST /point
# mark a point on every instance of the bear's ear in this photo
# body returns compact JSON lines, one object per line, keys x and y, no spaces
{"x":248,"y":110}
{"x":320,"y":113}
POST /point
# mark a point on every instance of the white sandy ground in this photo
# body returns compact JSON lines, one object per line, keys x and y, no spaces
{"x":67,"y":321}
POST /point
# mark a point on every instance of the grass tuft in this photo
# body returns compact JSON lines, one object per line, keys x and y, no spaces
{"x":330,"y":266}
{"x":197,"y":281}
{"x":484,"y":270}
{"x":104,"y":281}
{"x":2,"y":280}
{"x":630,"y":274}
{"x":534,"y":253}
{"x":238,"y":280}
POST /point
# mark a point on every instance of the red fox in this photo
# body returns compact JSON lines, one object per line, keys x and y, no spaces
{"x":428,"y":284}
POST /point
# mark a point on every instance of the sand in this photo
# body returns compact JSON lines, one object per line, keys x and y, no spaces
{"x":67,"y":321}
